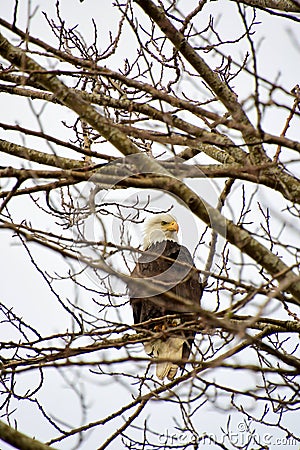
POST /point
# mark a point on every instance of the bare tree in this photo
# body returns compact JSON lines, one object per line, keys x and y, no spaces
{"x":166,"y":108}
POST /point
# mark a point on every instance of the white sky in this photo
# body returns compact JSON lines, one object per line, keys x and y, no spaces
{"x":24,"y":289}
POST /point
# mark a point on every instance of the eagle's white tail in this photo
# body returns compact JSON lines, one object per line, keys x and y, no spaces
{"x":170,"y":348}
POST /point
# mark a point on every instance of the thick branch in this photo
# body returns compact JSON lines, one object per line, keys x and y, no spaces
{"x":177,"y":168}
{"x":20,"y":440}
{"x":281,"y":5}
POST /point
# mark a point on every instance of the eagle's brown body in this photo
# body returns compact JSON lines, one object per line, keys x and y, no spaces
{"x":167,"y":268}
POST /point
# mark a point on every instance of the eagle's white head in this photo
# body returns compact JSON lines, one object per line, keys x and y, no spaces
{"x":160,"y":228}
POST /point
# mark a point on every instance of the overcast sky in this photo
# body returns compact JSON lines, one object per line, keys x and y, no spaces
{"x":24,"y":288}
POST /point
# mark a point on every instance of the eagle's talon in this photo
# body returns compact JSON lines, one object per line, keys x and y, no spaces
{"x":160,"y":327}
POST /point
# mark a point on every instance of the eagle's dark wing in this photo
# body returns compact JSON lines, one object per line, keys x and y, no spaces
{"x":190,"y":289}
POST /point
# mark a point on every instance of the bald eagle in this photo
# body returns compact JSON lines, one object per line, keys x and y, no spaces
{"x":171,"y":287}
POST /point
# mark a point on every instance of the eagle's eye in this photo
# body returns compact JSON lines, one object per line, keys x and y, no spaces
{"x":163,"y":222}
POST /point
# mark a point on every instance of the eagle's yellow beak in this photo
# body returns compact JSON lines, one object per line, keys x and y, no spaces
{"x":172,"y":226}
